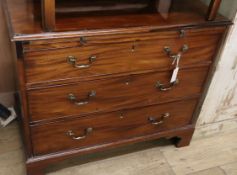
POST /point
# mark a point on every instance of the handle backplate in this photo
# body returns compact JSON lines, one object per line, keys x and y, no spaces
{"x":172,"y":55}
{"x":87,"y":131}
{"x":73,"y":61}
{"x":83,"y":40}
{"x":166,"y":87}
{"x":154,"y":121}
{"x":77,"y":102}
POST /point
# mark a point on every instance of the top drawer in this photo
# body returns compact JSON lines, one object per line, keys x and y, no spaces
{"x":103,"y":55}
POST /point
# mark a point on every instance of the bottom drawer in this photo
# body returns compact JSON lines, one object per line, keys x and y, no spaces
{"x":97,"y":129}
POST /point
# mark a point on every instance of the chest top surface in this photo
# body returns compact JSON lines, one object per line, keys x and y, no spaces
{"x":78,"y":17}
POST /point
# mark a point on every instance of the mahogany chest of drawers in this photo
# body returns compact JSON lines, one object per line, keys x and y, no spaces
{"x":88,"y":90}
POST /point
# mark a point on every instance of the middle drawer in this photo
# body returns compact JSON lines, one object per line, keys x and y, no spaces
{"x":113,"y":94}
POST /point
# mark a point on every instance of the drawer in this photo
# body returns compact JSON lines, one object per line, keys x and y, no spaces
{"x":113,"y":94}
{"x":119,"y":54}
{"x":116,"y":126}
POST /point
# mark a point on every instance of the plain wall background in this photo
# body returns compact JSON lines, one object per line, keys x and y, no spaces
{"x":228,"y":7}
{"x":219,"y":112}
{"x":7,"y":80}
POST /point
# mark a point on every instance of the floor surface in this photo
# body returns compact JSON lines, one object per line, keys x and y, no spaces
{"x":207,"y":156}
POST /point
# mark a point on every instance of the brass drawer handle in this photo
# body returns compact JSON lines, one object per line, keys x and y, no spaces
{"x":74,"y":137}
{"x":73,"y":61}
{"x":153,"y":121}
{"x":173,"y":56}
{"x":166,"y":87}
{"x":73,"y":98}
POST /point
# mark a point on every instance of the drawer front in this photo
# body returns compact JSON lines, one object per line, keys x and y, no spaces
{"x":110,"y":127}
{"x":113,"y":94}
{"x":121,"y":55}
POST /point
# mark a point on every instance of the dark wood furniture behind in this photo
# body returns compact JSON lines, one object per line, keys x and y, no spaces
{"x":96,"y":74}
{"x":48,"y":11}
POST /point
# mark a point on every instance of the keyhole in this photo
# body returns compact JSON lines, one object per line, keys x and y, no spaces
{"x":134,"y":46}
{"x":121,"y":116}
{"x":128,"y":81}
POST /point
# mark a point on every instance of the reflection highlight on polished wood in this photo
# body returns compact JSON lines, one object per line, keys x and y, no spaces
{"x":113,"y":94}
{"x":133,"y":52}
{"x":95,"y":75}
{"x":188,"y":13}
{"x":111,"y":127}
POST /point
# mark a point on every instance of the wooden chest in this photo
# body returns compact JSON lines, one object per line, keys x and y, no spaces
{"x":88,"y":90}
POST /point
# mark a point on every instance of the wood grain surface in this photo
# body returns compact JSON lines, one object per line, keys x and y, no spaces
{"x":130,"y":60}
{"x":119,"y":55}
{"x":187,"y":14}
{"x":110,"y":127}
{"x":113,"y":94}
